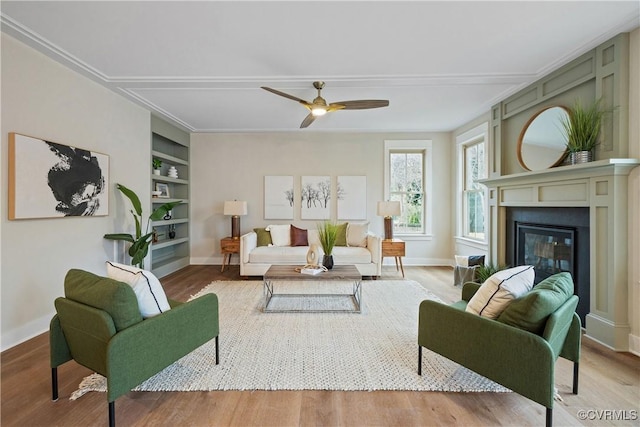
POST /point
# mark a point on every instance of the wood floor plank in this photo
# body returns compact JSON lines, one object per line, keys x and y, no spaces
{"x":608,"y":381}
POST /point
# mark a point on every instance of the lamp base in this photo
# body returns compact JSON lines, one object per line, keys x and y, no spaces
{"x":235,"y":227}
{"x":388,"y":228}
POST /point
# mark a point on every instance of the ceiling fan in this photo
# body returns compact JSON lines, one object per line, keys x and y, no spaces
{"x":319,"y":106}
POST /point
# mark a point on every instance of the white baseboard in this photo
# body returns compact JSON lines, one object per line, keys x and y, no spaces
{"x":634,"y":344}
{"x":25,"y":332}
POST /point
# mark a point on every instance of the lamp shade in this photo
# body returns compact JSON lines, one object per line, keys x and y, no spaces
{"x":235,"y":208}
{"x":387,"y":209}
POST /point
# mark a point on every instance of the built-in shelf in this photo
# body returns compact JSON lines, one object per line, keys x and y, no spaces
{"x":165,"y":243}
{"x":170,"y":145}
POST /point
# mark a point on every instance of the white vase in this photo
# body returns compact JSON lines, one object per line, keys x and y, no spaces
{"x":173,"y":172}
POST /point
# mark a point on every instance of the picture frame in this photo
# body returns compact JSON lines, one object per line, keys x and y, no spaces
{"x":53,"y":180}
{"x":163,"y":189}
{"x":351,"y":195}
{"x":278,"y":197}
{"x":315,"y":197}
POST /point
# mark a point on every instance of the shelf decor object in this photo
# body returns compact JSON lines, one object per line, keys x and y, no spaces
{"x":388,"y":210}
{"x":236,"y":209}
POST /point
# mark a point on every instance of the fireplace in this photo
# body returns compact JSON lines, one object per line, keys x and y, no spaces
{"x":553,"y":240}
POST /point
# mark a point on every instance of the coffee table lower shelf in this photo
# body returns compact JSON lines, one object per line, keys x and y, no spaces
{"x":316,"y":302}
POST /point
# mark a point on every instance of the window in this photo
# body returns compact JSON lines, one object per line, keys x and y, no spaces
{"x":473,"y":166}
{"x":406,"y":171}
{"x":474,"y":193}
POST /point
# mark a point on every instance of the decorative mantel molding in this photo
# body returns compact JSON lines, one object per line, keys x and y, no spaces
{"x":584,"y":170}
{"x":602,"y":186}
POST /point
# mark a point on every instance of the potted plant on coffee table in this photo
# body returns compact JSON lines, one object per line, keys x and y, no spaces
{"x":327,"y":233}
{"x":583,"y":125}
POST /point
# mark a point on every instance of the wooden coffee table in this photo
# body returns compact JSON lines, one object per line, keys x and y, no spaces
{"x":342,"y":275}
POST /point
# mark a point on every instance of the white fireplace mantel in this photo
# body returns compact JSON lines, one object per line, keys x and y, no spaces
{"x":602,"y":186}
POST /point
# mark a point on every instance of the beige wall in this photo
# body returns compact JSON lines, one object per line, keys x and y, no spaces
{"x":41,"y":98}
{"x":233,"y":166}
{"x":634,"y":192}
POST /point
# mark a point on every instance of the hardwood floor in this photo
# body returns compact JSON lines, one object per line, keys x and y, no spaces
{"x":609,"y":388}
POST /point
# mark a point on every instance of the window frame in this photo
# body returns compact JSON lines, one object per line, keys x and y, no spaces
{"x":477,"y":135}
{"x":413,"y":146}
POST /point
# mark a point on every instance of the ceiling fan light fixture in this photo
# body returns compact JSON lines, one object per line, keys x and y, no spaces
{"x":319,"y":111}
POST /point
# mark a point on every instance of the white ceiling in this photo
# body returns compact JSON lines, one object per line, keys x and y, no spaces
{"x":201,"y":64}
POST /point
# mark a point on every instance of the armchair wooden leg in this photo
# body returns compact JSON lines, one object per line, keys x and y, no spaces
{"x":419,"y":360}
{"x":576,"y":366}
{"x":549,"y":421}
{"x":217,"y":352}
{"x":112,"y":414}
{"x":54,"y":384}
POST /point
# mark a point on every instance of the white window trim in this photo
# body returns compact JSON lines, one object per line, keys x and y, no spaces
{"x":419,"y":144}
{"x":472,"y":136}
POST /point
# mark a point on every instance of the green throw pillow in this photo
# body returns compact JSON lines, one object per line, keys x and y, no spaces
{"x":264,"y":237}
{"x":341,"y":237}
{"x":116,"y":298}
{"x":530,"y":312}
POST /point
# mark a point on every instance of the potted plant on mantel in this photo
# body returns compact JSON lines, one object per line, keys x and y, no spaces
{"x":327,"y":233}
{"x":140,"y":243}
{"x":583,"y":125}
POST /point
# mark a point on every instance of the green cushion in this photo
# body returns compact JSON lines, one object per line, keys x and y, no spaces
{"x":530,"y":311}
{"x":116,"y":298}
{"x":264,"y":237}
{"x":341,"y":236}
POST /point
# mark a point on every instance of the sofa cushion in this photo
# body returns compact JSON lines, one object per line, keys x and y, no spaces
{"x":147,"y":288}
{"x":530,"y":312}
{"x":341,"y":236}
{"x":114,"y":297}
{"x":282,"y":255}
{"x":263,"y":236}
{"x":357,"y":234}
{"x":280,"y":234}
{"x":343,"y":255}
{"x":500,"y":289}
{"x":298,"y":236}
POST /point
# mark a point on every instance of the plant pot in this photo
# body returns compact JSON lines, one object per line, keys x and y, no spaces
{"x":156,"y":171}
{"x":327,"y":261}
{"x":579,"y":157}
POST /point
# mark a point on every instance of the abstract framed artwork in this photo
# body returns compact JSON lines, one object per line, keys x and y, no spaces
{"x":52,"y":180}
{"x":315,"y":197}
{"x":351,"y":196}
{"x":278,"y":197}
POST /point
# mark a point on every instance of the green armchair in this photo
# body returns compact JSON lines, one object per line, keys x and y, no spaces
{"x":98,"y":324}
{"x":518,"y":359}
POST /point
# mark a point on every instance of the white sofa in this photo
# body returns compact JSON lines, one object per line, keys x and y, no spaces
{"x":255,"y":260}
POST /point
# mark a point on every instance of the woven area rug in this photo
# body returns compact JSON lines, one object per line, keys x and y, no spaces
{"x":374,"y":350}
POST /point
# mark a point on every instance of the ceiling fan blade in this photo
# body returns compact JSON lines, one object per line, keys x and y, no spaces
{"x":286,"y":95}
{"x":363,"y":104}
{"x":307,"y":121}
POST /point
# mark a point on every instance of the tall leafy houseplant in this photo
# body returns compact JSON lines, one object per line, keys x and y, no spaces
{"x":583,"y":125}
{"x":140,"y":243}
{"x":327,"y":233}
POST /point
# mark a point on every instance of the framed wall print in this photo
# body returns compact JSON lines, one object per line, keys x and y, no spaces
{"x":315,"y":196}
{"x":52,"y":180}
{"x":351,"y":195}
{"x":278,"y":197}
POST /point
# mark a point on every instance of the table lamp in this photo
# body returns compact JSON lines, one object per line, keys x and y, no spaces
{"x":388,"y":210}
{"x":236,"y":209}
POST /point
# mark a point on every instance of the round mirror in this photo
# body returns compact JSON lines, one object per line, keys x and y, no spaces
{"x":543,"y":140}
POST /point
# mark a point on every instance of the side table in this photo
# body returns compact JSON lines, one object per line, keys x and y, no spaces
{"x":228,"y":247}
{"x":394,"y":248}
